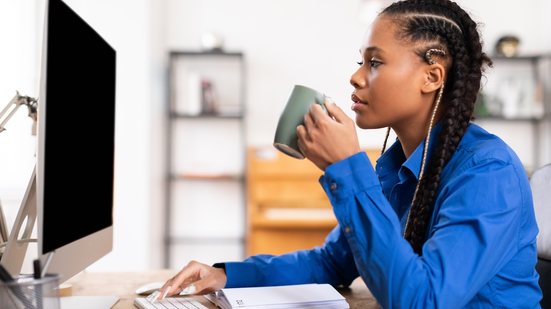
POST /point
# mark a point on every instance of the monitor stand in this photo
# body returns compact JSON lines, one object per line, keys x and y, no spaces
{"x":88,"y":302}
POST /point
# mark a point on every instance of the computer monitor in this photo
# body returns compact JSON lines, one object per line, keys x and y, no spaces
{"x":75,"y":147}
{"x":76,"y":143}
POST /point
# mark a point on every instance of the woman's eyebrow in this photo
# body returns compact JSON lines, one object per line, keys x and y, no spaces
{"x":371,"y":50}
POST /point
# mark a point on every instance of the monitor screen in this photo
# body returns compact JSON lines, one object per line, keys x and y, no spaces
{"x":76,"y":143}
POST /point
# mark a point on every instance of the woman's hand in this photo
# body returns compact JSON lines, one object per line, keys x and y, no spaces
{"x":325,"y":139}
{"x":195,"y":278}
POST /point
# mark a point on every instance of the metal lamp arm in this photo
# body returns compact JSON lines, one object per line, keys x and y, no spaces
{"x":13,"y":106}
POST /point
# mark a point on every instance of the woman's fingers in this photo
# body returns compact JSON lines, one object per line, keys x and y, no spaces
{"x":336,"y":112}
{"x":187,"y":275}
{"x":213,"y":282}
{"x":194,"y":278}
{"x":309,"y":121}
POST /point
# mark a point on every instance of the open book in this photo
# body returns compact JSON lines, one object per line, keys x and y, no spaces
{"x":319,"y":296}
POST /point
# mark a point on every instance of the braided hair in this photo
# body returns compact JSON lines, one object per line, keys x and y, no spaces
{"x":444,"y":25}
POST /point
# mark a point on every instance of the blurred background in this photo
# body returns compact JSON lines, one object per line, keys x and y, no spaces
{"x":180,"y":196}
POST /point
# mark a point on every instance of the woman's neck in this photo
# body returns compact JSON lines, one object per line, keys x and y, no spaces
{"x":410,"y":140}
{"x":411,"y":135}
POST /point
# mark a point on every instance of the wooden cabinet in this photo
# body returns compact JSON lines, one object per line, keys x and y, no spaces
{"x":287,"y":209}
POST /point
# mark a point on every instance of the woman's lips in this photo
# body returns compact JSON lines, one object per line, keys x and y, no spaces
{"x":357,"y":103}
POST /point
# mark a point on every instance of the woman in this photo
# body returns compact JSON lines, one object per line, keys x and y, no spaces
{"x":446,"y":218}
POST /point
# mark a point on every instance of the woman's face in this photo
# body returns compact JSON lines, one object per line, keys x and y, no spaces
{"x":387,"y":85}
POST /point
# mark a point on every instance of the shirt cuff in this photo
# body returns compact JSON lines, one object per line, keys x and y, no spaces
{"x":220,"y":265}
{"x":242,"y":274}
{"x":354,"y":173}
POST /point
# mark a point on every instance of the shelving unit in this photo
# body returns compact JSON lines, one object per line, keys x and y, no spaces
{"x":205,"y":178}
{"x":516,"y":98}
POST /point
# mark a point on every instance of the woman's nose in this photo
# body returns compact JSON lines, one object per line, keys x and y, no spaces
{"x":357,"y":80}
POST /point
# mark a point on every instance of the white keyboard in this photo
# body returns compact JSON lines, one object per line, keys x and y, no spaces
{"x":169,"y":303}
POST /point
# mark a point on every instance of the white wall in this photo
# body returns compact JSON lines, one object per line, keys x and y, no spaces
{"x":313,"y":42}
{"x":526,"y":19}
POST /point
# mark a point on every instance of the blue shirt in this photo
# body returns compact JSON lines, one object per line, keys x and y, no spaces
{"x":480,"y":250}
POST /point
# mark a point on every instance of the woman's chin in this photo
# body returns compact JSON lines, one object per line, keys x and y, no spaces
{"x":365,"y":124}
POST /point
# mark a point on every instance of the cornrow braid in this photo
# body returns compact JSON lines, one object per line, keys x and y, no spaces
{"x":441,"y":24}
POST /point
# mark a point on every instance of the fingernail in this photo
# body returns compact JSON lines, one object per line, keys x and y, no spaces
{"x":190,"y":289}
{"x":153,"y":297}
{"x":166,"y":292}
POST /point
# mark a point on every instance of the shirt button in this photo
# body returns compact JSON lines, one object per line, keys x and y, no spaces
{"x":347,"y":230}
{"x":333,"y":186}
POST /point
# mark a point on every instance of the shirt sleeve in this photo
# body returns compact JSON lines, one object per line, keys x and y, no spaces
{"x":475,"y":224}
{"x":331,"y":263}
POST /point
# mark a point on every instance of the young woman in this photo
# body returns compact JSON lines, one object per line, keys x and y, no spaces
{"x":446,"y":218}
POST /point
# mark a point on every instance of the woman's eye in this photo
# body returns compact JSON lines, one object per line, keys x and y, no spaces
{"x":360,"y":63}
{"x":374,"y":63}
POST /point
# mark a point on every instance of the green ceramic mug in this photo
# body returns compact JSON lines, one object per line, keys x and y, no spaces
{"x":298,"y":104}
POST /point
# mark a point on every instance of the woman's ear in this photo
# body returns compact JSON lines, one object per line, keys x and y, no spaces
{"x":434,"y":78}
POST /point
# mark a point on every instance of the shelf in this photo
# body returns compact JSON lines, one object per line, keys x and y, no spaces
{"x":520,"y":57}
{"x":196,"y":176}
{"x":503,"y":118}
{"x":513,"y":89}
{"x":204,"y":240}
{"x":215,"y":53}
{"x":302,"y":224}
{"x":514,"y":98}
{"x":177,"y":115}
{"x":206,"y":84}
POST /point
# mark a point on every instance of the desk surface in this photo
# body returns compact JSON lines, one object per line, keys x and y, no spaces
{"x":123,"y":285}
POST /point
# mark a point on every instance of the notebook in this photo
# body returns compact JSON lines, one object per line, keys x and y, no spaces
{"x":319,"y":296}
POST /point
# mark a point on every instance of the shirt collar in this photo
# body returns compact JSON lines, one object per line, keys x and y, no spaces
{"x":394,"y":158}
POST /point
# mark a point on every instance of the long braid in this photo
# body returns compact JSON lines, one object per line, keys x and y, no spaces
{"x":442,"y":24}
{"x":453,"y":127}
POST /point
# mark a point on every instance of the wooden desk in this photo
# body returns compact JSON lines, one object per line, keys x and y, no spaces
{"x":123,"y":285}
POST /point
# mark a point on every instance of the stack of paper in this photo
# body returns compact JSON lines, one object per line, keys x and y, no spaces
{"x":319,"y":296}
